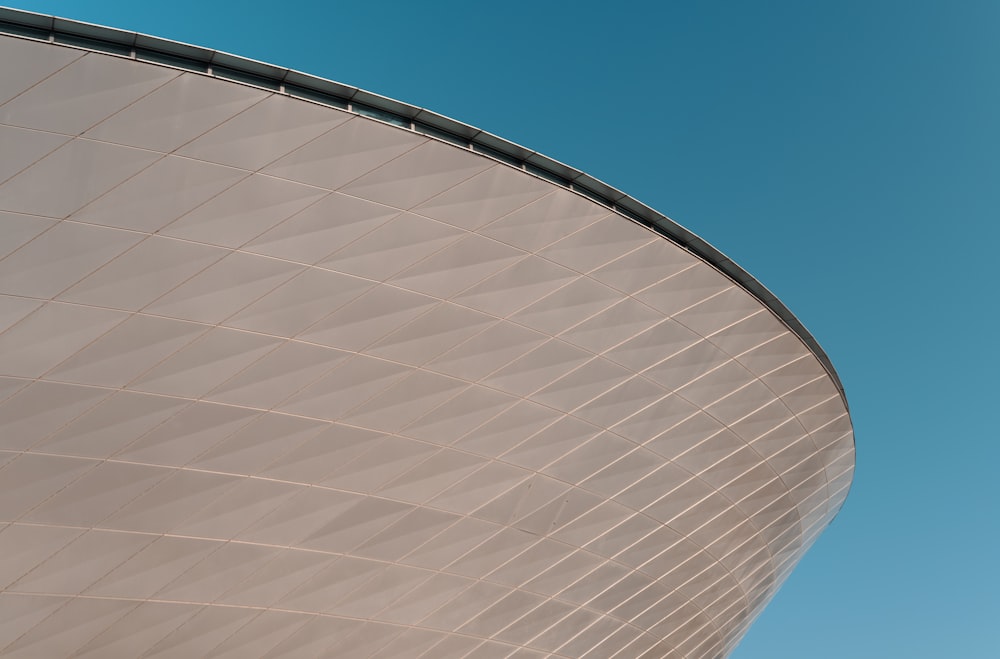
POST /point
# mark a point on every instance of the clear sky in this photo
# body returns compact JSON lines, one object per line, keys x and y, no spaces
{"x":845,"y":152}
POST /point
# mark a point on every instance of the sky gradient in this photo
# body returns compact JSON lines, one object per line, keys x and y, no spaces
{"x":847,"y":154}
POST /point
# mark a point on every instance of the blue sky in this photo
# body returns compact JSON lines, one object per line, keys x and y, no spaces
{"x":846,"y":153}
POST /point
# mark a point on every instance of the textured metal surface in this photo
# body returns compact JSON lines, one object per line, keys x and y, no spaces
{"x":279,"y":380}
{"x":300,"y":85}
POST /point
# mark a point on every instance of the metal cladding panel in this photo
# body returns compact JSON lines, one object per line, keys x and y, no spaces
{"x":280,"y":380}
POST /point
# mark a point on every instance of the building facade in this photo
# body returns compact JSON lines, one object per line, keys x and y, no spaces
{"x":288,"y":369}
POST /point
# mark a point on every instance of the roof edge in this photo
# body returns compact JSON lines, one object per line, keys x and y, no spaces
{"x":20,"y":23}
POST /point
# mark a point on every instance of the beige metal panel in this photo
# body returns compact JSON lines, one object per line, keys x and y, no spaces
{"x":263,"y":133}
{"x":35,"y":61}
{"x":85,"y":169}
{"x":175,"y":113}
{"x":89,"y":90}
{"x":241,"y":213}
{"x":417,"y":175}
{"x":22,"y":147}
{"x":345,"y":153}
{"x":323,"y":228}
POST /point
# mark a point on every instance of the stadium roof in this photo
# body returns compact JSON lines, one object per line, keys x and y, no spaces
{"x":291,"y":369}
{"x":335,"y":94}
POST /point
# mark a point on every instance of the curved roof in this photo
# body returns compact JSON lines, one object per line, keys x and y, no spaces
{"x":421,"y":120}
{"x":277,"y":379}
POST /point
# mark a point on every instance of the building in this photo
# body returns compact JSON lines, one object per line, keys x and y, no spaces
{"x":288,"y":369}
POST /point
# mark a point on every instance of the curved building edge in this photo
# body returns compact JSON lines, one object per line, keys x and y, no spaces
{"x":300,"y":85}
{"x":764,"y":546}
